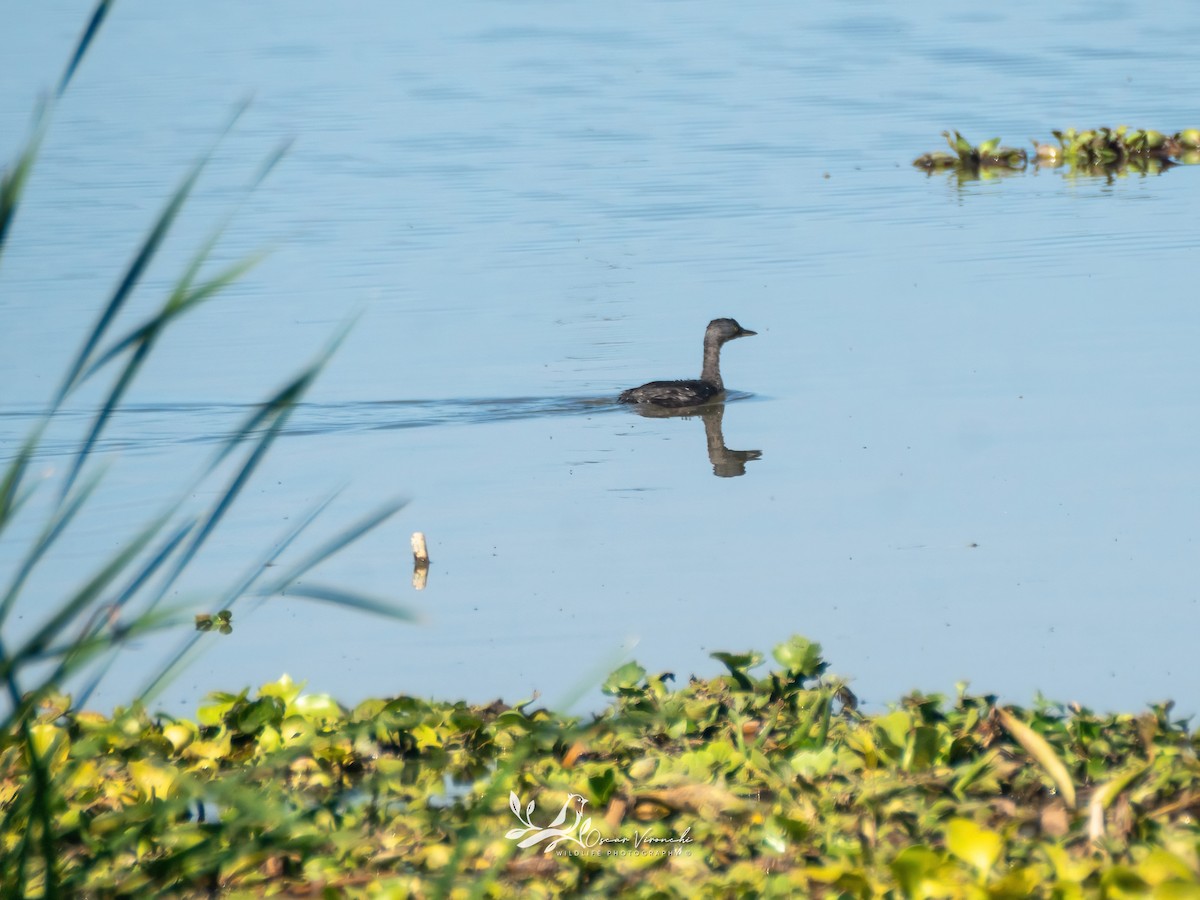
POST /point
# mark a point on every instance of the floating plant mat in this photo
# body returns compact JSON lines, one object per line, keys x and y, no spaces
{"x":1096,"y":151}
{"x":771,"y":785}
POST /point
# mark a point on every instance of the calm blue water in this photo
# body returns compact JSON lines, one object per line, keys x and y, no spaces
{"x":975,"y":403}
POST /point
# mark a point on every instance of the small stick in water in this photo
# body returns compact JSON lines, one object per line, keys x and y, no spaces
{"x":420,"y":560}
{"x":420,"y":553}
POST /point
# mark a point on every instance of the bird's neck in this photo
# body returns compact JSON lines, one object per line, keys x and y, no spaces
{"x":712,"y":365}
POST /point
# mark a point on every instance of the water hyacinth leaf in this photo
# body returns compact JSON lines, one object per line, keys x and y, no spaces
{"x":253,"y":716}
{"x":800,"y":657}
{"x":285,"y":688}
{"x":627,"y":678}
{"x":1067,"y":869}
{"x":1189,"y":138}
{"x":153,"y":781}
{"x":49,"y":742}
{"x":1037,"y":747}
{"x":979,"y":847}
{"x":738,"y":664}
{"x":218,"y":706}
{"x":316,"y":707}
{"x":1161,"y":867}
{"x":603,"y":786}
{"x":916,"y":869}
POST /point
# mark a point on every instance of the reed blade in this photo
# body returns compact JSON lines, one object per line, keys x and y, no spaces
{"x":354,"y":600}
{"x":137,"y":267}
{"x":82,"y":599}
{"x":85,"y":41}
{"x":61,"y":517}
{"x":322,"y":553}
{"x":177,"y":662}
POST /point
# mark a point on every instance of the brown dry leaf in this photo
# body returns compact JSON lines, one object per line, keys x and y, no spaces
{"x":615,"y":814}
{"x":537,"y":866}
{"x":1054,"y":820}
{"x":1037,"y":747}
{"x":702,"y":799}
{"x":577,"y":750}
{"x":1122,"y":818}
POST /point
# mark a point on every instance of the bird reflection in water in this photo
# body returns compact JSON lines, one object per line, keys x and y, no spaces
{"x":726,"y":463}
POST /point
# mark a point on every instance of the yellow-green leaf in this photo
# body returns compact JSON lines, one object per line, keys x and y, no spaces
{"x":974,"y":845}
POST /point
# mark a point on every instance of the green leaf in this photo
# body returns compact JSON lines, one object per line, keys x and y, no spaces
{"x":974,"y":845}
{"x":738,"y":664}
{"x":915,"y":868}
{"x":627,"y":677}
{"x":800,"y":657}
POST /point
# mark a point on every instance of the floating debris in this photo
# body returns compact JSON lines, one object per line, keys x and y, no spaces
{"x":420,"y":560}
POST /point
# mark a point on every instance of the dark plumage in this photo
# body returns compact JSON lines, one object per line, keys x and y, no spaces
{"x":707,"y":387}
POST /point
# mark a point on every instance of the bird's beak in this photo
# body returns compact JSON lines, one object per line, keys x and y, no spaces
{"x":744,"y":332}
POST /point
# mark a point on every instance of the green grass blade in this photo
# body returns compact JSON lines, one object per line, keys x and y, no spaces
{"x":59,"y":520}
{"x":78,"y":654}
{"x":85,"y":41}
{"x":148,"y":569}
{"x":12,"y":183}
{"x":186,"y":651}
{"x":256,"y":570}
{"x":184,"y":297}
{"x":188,"y":299}
{"x":11,"y":494}
{"x":82,"y":599}
{"x":228,"y":496}
{"x":106,"y":411}
{"x":275,"y":412}
{"x":354,"y":600}
{"x":348,"y":536}
{"x":137,"y":267}
{"x":177,"y":661}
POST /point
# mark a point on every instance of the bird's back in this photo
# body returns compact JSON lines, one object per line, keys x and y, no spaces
{"x":672,"y":393}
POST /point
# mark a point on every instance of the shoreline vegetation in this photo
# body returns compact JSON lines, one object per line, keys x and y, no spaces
{"x":737,"y":785}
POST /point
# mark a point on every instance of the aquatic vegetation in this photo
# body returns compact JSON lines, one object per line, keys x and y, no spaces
{"x":1097,"y":151}
{"x":737,"y":785}
{"x":987,"y":156}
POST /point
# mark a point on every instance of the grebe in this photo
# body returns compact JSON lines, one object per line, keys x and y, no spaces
{"x":693,"y":392}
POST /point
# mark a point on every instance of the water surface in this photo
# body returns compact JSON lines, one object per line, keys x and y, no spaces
{"x":974,"y":403}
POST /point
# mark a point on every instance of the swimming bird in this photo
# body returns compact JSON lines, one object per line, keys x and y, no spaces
{"x":707,"y":388}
